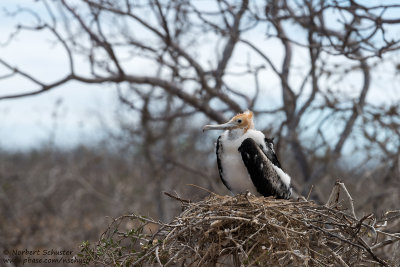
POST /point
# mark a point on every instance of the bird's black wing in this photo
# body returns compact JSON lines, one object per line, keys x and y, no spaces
{"x":219,"y":155}
{"x":270,"y":153}
{"x":261,"y":171}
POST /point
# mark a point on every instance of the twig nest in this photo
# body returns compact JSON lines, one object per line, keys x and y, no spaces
{"x":245,"y":230}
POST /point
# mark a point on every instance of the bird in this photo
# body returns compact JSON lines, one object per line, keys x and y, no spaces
{"x":247,"y":161}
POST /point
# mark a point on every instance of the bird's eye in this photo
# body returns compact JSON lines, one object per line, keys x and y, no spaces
{"x":239,"y":121}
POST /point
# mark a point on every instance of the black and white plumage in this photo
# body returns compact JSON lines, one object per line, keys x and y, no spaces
{"x":247,"y":161}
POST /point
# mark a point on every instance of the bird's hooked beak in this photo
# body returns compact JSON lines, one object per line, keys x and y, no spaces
{"x":226,"y":126}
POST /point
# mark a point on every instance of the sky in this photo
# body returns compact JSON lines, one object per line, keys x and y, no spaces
{"x":75,"y":113}
{"x":69,"y":115}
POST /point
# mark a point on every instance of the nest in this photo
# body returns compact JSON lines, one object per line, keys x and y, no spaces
{"x":247,"y":231}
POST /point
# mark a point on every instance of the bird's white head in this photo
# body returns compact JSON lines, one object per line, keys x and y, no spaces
{"x":242,"y":121}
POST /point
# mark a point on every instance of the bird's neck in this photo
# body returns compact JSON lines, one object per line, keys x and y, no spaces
{"x":235,"y":134}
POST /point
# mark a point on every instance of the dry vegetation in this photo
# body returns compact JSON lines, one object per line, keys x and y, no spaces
{"x":251,"y":231}
{"x":53,"y":199}
{"x":57,"y":199}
